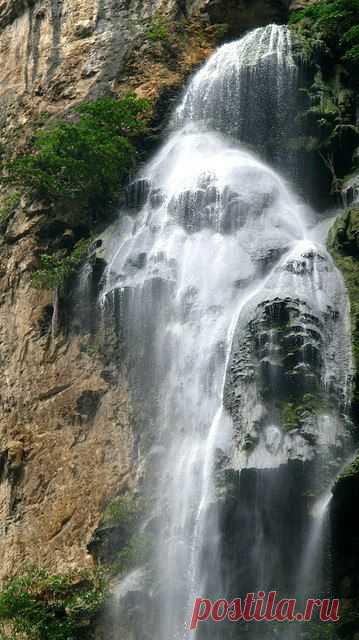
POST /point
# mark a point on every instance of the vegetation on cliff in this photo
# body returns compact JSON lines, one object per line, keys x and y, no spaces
{"x":77,"y":167}
{"x":80,"y":164}
{"x":37,"y":605}
{"x":121,"y":543}
{"x":343,"y":242}
{"x":330,"y":27}
{"x":328,"y":37}
{"x":10,"y":204}
{"x":56,"y":268}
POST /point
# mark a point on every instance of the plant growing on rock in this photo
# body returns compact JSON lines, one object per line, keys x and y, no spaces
{"x":331,"y":25}
{"x":56,"y":268}
{"x":158,"y":29}
{"x":327,"y":35}
{"x":38,"y":605}
{"x":343,"y":242}
{"x":124,"y":510}
{"x":77,"y":166}
{"x":136,"y":552}
{"x":8,"y":207}
{"x":81,"y":163}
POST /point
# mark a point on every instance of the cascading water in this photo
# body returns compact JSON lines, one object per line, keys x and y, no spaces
{"x":237,"y":327}
{"x":248,"y":89}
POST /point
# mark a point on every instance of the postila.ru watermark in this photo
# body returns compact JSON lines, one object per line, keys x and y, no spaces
{"x":263,"y":607}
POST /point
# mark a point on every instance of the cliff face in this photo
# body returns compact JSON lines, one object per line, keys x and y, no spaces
{"x":67,"y":443}
{"x":65,"y":428}
{"x":57,"y":51}
{"x":66,"y":439}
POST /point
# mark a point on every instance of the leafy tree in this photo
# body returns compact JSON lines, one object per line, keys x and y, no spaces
{"x":82,"y":162}
{"x":39,"y":606}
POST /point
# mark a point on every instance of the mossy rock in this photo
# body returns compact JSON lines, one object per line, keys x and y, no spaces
{"x":119,"y":523}
{"x":343,"y":243}
{"x":352,"y":470}
{"x":293,"y":414}
{"x":344,"y":235}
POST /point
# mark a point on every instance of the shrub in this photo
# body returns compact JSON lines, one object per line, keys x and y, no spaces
{"x":40,"y":606}
{"x":158,"y":30}
{"x":83,"y":162}
{"x":334,"y":22}
{"x":56,"y":268}
{"x":9,"y":206}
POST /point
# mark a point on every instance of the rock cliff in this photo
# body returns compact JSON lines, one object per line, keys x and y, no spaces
{"x":66,"y":432}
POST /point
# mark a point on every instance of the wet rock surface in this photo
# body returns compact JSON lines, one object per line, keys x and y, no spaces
{"x":282,"y":382}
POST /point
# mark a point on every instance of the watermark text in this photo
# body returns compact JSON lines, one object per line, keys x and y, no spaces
{"x":263,"y":607}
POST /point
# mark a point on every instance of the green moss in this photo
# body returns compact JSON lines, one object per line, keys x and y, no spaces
{"x":221,"y":30}
{"x":158,"y":29}
{"x":293,"y":413}
{"x":351,"y":470}
{"x":330,"y":124}
{"x":8,"y":208}
{"x":125,"y":510}
{"x":343,"y":243}
{"x":37,"y":605}
{"x":135,"y":553}
{"x":289,"y":417}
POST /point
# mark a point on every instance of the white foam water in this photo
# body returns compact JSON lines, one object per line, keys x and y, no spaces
{"x":218,"y":232}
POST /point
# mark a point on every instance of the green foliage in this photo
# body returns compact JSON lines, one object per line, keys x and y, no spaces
{"x":351,"y":470}
{"x":125,"y":513}
{"x":79,"y":165}
{"x":158,"y":29}
{"x":124,"y":510}
{"x":40,"y":606}
{"x":352,"y":35}
{"x":56,"y":268}
{"x":289,"y":416}
{"x":352,"y":56}
{"x":82,"y":162}
{"x":221,"y":29}
{"x":329,"y":115}
{"x":135,"y":553}
{"x":343,"y":242}
{"x":9,"y":206}
{"x":292,"y":413}
{"x":334,"y":24}
{"x":329,"y":123}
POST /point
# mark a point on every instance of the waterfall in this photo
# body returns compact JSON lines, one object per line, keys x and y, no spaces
{"x":236,"y":325}
{"x":249,"y":89}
